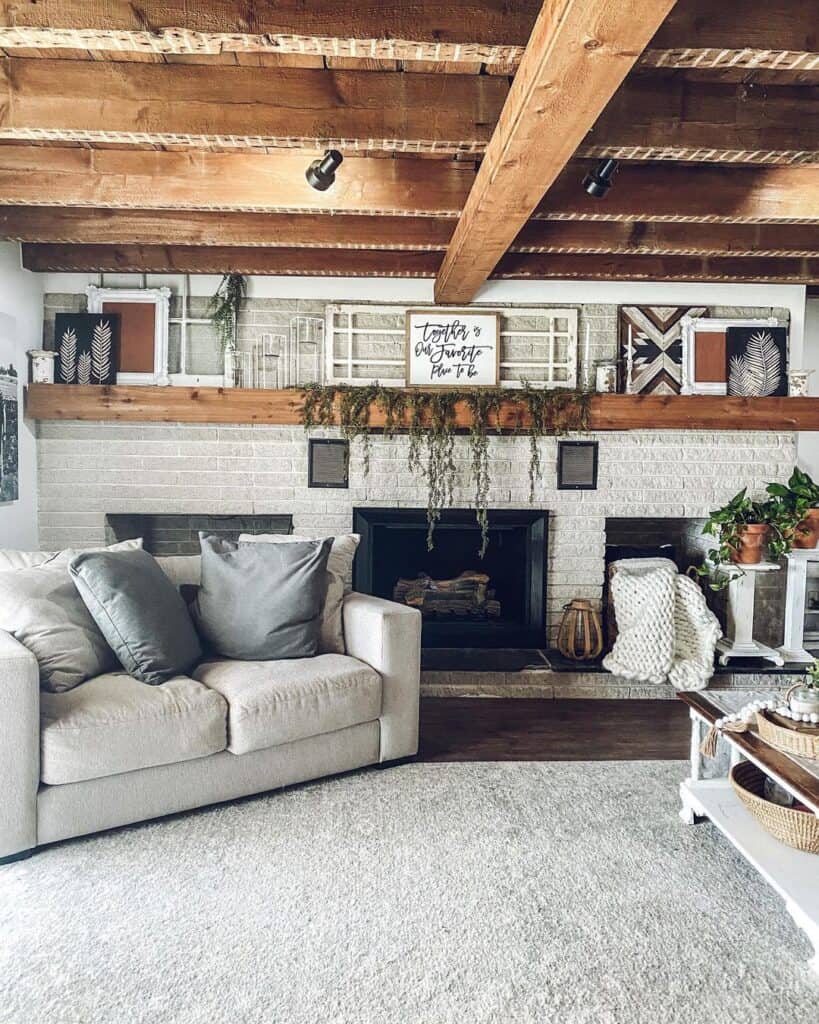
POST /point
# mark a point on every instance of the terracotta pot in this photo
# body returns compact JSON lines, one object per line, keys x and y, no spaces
{"x":751,"y":545}
{"x":806,"y":534}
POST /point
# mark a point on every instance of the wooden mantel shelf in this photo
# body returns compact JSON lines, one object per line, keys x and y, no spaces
{"x":243,"y":405}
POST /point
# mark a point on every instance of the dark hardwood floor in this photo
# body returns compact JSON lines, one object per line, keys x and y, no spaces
{"x":498,"y":729}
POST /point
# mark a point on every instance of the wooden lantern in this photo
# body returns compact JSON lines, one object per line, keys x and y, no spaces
{"x":580,"y":636}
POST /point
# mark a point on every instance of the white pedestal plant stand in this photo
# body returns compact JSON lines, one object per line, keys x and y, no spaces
{"x":793,"y":646}
{"x":740,"y":643}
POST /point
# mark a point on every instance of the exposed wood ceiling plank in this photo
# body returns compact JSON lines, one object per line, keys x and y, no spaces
{"x":689,"y":193}
{"x":193,"y":227}
{"x":381,"y":263}
{"x":88,"y":101}
{"x":135,"y":179}
{"x":216,"y":260}
{"x":680,"y":119}
{"x":740,"y":33}
{"x":192,"y":180}
{"x":94,"y":226}
{"x":471,"y":30}
{"x":578,"y":54}
{"x":638,"y":238}
{"x":657,"y":268}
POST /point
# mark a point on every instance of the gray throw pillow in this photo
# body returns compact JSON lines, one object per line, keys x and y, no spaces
{"x":262,"y":602}
{"x":139,"y":612}
{"x":40,"y":606}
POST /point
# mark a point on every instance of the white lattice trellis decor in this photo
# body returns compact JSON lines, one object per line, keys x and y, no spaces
{"x":364,"y":344}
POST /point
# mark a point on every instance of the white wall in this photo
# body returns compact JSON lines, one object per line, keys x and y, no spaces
{"x":809,"y":443}
{"x":21,"y":314}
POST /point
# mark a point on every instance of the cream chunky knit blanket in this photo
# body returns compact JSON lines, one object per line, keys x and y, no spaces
{"x":665,"y":629}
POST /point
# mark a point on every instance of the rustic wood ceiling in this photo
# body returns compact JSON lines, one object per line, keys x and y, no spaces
{"x":175,"y":135}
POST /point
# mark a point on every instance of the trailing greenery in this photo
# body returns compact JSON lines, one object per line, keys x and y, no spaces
{"x":225,"y":306}
{"x":430,"y":419}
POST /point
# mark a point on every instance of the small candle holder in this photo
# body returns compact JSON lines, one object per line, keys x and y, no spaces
{"x":606,"y":376}
{"x":798,"y":383}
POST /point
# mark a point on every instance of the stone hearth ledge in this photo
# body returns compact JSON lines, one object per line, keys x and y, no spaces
{"x":549,"y":685}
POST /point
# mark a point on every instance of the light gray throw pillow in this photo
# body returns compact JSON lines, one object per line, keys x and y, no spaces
{"x":262,"y":602}
{"x":139,"y":612}
{"x":41,"y":608}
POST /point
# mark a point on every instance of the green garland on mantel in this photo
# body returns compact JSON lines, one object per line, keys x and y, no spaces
{"x":429,"y":418}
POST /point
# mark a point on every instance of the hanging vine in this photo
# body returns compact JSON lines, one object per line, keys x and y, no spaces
{"x":225,"y":306}
{"x":430,"y":420}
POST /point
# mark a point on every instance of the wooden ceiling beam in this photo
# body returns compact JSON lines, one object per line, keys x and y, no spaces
{"x":98,"y":226}
{"x":162,"y":259}
{"x":577,"y":56}
{"x":652,"y":118}
{"x":381,"y":263}
{"x":689,"y":193}
{"x":253,"y":182}
{"x":192,"y":104}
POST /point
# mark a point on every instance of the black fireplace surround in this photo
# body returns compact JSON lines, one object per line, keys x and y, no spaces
{"x":394,"y":546}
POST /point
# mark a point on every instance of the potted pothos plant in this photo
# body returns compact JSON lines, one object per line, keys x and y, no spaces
{"x":744,"y":529}
{"x":800,"y":496}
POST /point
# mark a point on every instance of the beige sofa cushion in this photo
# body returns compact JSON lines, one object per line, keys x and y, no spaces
{"x":115,"y":724}
{"x":11,"y":558}
{"x":273,"y":702}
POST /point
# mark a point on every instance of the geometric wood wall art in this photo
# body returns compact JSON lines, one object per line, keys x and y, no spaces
{"x":757,"y":361}
{"x":87,"y":348}
{"x":654,"y":365}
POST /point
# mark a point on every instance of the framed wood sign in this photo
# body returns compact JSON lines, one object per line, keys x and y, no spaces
{"x":452,"y":348}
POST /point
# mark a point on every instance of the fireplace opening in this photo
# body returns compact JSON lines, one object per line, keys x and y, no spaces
{"x":464,"y":600}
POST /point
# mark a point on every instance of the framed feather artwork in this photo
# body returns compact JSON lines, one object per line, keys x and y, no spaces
{"x":87,"y":346}
{"x":757,"y":360}
{"x":651,"y":348}
{"x":705,"y":355}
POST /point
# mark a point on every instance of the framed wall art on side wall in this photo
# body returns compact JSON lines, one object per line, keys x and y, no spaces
{"x":9,"y":423}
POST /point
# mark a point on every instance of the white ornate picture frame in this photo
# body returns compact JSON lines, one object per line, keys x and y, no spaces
{"x":691,"y":327}
{"x":158,"y":297}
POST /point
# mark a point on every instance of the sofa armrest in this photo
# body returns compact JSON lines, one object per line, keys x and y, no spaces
{"x":19,"y":746}
{"x":387,"y":636}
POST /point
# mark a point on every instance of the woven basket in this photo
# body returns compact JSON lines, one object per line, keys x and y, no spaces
{"x":799,"y":829}
{"x":802,"y":741}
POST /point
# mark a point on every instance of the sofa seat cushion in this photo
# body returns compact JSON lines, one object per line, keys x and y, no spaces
{"x":274,"y":702}
{"x":114,"y":723}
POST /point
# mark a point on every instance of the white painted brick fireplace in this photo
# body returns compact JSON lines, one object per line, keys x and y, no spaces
{"x":86,"y":470}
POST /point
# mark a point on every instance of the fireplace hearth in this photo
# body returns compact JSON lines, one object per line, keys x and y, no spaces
{"x":466,"y":601}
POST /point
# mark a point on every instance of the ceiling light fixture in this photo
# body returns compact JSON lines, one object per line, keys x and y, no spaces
{"x":599,"y":181}
{"x":322,"y":173}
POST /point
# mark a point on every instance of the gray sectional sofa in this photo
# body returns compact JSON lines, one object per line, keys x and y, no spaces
{"x":114,"y":751}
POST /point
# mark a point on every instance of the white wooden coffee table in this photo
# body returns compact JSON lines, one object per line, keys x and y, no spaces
{"x":791,"y":873}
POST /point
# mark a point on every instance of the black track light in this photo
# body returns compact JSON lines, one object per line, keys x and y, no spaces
{"x":599,"y":181}
{"x":322,"y":173}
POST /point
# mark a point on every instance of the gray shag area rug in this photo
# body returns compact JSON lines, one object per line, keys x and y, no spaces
{"x":434,"y":893}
